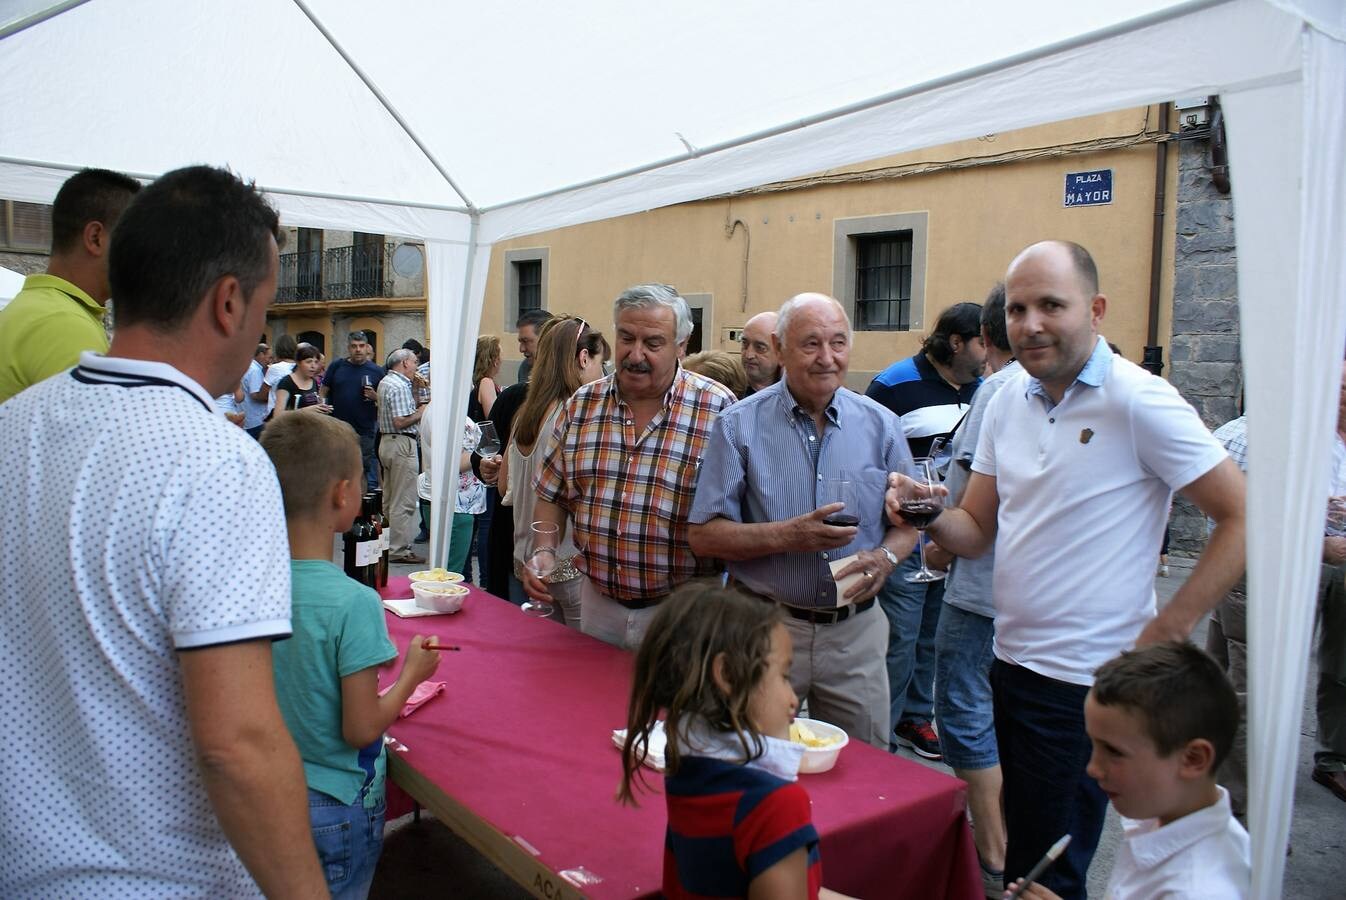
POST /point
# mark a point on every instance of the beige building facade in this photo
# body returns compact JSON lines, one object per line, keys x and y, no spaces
{"x":958,"y":214}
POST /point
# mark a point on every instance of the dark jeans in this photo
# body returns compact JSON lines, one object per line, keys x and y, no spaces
{"x":913,"y":611}
{"x":482,"y":543}
{"x":370,"y":458}
{"x":1039,"y":727}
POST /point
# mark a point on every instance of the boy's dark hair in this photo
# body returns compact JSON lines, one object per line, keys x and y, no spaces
{"x":310,"y":453}
{"x":1178,"y":691}
{"x":673,"y":672}
{"x":285,"y":347}
{"x":534,"y":317}
{"x":179,"y":236}
{"x":90,"y":195}
{"x":962,"y":319}
{"x":993,"y":318}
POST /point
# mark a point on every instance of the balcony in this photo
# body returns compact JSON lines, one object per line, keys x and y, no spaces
{"x":341,"y":273}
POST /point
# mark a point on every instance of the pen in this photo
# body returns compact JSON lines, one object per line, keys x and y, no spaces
{"x":1056,"y":850}
{"x":426,"y":645}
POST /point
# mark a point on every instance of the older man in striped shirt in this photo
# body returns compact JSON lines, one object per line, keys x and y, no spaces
{"x":622,"y":464}
{"x":763,"y":504}
{"x":399,"y":415}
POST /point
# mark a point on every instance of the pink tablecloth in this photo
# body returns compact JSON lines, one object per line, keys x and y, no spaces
{"x":522,"y":737}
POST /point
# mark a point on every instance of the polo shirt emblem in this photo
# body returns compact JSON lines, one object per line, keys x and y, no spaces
{"x":1086,"y":435}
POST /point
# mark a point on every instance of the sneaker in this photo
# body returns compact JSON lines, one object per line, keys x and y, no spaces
{"x":920,"y":736}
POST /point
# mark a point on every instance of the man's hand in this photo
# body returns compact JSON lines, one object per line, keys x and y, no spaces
{"x":812,"y":534}
{"x":1334,"y":550}
{"x":370,"y":394}
{"x":1161,"y":629}
{"x":490,"y":468}
{"x":901,"y":487}
{"x":875,"y":568}
{"x":936,"y":557}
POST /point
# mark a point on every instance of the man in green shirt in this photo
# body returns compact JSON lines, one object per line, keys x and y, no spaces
{"x":59,"y":315}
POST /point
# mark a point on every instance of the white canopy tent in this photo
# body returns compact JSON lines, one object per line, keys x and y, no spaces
{"x":466,"y":124}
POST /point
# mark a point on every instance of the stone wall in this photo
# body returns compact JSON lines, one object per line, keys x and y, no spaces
{"x":1204,"y":363}
{"x":24,"y":263}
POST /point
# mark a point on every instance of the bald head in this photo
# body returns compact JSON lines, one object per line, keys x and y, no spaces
{"x":760,"y":361}
{"x":813,"y":303}
{"x":813,"y":338}
{"x":1053,"y":312}
{"x":1078,"y":258}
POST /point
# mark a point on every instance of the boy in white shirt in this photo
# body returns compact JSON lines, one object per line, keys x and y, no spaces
{"x":1161,"y":720}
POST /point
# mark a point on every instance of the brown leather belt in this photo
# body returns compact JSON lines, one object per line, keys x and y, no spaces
{"x":816,"y":615}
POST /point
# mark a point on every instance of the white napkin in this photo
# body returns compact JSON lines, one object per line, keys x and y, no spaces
{"x":844,"y":584}
{"x":654,"y":756}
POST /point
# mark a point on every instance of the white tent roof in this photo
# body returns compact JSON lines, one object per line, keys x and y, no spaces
{"x":466,"y":124}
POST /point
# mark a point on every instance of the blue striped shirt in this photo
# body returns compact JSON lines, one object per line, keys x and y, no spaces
{"x":764,"y":463}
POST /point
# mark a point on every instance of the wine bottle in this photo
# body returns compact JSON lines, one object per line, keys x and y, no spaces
{"x":385,"y":537}
{"x":369,"y":553}
{"x":353,"y":548}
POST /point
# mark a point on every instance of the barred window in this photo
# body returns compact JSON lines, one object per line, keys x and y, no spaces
{"x":883,"y":282}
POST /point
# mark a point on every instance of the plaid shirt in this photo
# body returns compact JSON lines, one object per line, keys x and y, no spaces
{"x":395,"y":399}
{"x":629,"y":494}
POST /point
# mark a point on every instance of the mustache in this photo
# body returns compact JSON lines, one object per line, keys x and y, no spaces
{"x":640,"y":368}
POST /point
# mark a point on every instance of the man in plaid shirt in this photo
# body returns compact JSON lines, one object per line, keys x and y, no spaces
{"x":622,"y":465}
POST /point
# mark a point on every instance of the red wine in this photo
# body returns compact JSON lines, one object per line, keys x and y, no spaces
{"x":919,"y":513}
{"x":845,"y":520}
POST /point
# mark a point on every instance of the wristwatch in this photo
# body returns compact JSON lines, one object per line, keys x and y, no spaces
{"x":891,"y":557}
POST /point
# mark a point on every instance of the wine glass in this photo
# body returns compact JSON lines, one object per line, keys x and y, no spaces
{"x":541,"y":562}
{"x":489,"y":445}
{"x":919,"y":505}
{"x":840,"y":490}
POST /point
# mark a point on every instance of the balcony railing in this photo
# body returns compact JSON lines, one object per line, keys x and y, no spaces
{"x":341,"y":273}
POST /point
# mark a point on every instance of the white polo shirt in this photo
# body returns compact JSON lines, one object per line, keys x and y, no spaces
{"x":1084,"y":493}
{"x":142,"y":524}
{"x":1202,"y":856}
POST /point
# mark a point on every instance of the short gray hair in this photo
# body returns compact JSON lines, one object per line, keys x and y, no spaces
{"x":789,"y":307}
{"x":644,"y":296}
{"x":395,"y":358}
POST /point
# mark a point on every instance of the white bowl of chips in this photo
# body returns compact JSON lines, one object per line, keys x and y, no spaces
{"x":822,"y":744}
{"x":442,"y":598}
{"x":435,"y":576}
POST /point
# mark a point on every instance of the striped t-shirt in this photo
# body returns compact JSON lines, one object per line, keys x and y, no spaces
{"x":929,"y":405}
{"x":729,"y":823}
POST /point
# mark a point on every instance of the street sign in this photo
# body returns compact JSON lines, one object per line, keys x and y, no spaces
{"x":1088,"y":188}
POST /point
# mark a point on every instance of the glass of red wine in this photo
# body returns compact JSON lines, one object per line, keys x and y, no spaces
{"x":840,"y":490}
{"x":919,"y":504}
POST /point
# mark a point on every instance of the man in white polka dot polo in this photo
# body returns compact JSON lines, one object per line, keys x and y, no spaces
{"x":139,"y":601}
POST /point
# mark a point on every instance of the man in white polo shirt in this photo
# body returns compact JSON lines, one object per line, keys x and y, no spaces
{"x":138,"y":602}
{"x":1078,"y":458}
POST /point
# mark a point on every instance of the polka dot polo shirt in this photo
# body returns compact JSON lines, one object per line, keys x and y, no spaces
{"x":139,"y":523}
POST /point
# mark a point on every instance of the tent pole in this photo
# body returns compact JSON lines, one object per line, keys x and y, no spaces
{"x":387,"y":104}
{"x":39,"y":17}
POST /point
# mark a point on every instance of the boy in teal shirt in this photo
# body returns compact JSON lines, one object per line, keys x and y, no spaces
{"x":327,"y":671}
